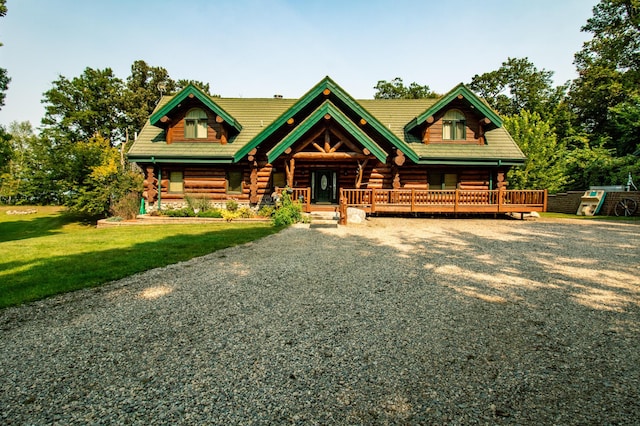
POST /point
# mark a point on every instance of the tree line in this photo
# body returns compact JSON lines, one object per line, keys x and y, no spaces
{"x":581,"y":133}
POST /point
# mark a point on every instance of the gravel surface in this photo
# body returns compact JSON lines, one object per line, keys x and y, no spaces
{"x":399,"y":321}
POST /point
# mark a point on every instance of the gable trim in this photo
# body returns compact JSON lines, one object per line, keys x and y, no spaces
{"x":459,"y":90}
{"x":327,"y":108}
{"x":327,"y":87}
{"x":192,"y":90}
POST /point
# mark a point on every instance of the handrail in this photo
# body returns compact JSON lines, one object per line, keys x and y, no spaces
{"x":460,"y":200}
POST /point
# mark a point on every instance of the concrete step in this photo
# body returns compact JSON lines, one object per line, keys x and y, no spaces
{"x":324,"y":220}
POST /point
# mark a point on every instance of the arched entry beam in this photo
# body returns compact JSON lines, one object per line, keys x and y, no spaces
{"x":327,"y":108}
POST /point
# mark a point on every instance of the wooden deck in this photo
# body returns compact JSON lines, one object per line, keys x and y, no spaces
{"x":432,"y":201}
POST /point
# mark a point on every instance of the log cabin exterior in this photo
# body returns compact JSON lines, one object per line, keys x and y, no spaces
{"x":446,"y":155}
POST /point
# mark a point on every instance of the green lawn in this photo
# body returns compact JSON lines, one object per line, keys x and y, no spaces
{"x":53,"y":252}
{"x":574,"y":216}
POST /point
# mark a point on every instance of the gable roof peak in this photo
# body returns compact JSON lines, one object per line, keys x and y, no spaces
{"x":459,"y":91}
{"x":192,"y":91}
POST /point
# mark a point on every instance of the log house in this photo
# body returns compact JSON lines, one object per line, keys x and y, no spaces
{"x":326,"y":143}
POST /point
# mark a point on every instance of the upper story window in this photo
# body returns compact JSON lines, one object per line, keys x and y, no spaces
{"x":195,"y":124}
{"x":454,"y":125}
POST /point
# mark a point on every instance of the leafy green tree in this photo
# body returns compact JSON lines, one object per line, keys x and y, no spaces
{"x":592,"y":166}
{"x":604,"y":96}
{"x":4,"y":76}
{"x":77,"y":109}
{"x":625,"y":120}
{"x":101,"y":178}
{"x":143,"y":91}
{"x":31,"y":176}
{"x":182,"y":83}
{"x":545,"y":163}
{"x":519,"y":85}
{"x":20,"y":136}
{"x":6,"y":151}
{"x":395,"y":89}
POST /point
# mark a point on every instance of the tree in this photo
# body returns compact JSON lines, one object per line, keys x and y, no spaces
{"x":144,"y":88}
{"x":100,"y":178}
{"x":30,"y":176}
{"x":6,"y":151}
{"x":396,"y":89}
{"x":143,"y":91}
{"x":79,"y":108}
{"x":182,"y":83}
{"x":4,"y":76}
{"x":545,"y":163}
{"x":604,"y":96}
{"x":519,"y":85}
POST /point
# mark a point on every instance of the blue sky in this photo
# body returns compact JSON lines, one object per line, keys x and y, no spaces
{"x":257,"y":48}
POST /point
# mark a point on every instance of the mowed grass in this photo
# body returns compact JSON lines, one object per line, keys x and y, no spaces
{"x":552,"y":215}
{"x":52,"y":252}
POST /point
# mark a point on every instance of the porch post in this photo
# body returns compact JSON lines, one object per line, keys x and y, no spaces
{"x":373,"y":200}
{"x":290,"y":168}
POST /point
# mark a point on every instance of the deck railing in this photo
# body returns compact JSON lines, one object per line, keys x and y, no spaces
{"x":300,"y":194}
{"x":445,"y":201}
{"x":434,"y":201}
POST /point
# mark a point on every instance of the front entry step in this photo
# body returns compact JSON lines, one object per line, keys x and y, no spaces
{"x":324,"y":220}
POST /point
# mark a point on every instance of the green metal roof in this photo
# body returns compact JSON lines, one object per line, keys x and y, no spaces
{"x":387,"y":119}
{"x":327,"y":108}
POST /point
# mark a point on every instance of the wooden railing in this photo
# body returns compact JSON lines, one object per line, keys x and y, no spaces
{"x":300,"y":194}
{"x":445,"y":201}
{"x":434,"y":201}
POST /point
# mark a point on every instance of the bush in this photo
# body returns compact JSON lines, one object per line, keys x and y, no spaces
{"x":245,"y":213}
{"x":266,"y":211}
{"x":198,"y":202}
{"x":232,"y":205}
{"x":126,"y":207}
{"x":186,"y":212}
{"x":289,"y":213}
{"x":215,"y":213}
{"x":229,"y":215}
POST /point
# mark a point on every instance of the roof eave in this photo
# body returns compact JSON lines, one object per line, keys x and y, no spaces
{"x":496,"y":162}
{"x":156,"y":159}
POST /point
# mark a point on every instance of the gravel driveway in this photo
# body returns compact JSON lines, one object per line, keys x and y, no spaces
{"x":399,"y":321}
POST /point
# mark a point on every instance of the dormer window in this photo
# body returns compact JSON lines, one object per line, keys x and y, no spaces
{"x":454,"y":125}
{"x":195,"y":124}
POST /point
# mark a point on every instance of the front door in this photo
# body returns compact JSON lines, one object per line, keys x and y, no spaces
{"x":325,"y":186}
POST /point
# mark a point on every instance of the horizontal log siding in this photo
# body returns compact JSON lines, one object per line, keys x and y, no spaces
{"x":473,"y":128}
{"x":474,"y":179}
{"x":215,"y":131}
{"x":211,"y":181}
{"x":206,"y":182}
{"x":413,"y":178}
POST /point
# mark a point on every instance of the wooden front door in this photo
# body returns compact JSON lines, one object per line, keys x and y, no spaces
{"x":325,"y":186}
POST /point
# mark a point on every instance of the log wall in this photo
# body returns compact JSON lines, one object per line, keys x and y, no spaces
{"x":215,"y":131}
{"x":433,"y":132}
{"x":257,"y":183}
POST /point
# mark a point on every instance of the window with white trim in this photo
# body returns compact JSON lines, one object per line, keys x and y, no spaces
{"x":195,"y":124}
{"x":454,"y":125}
